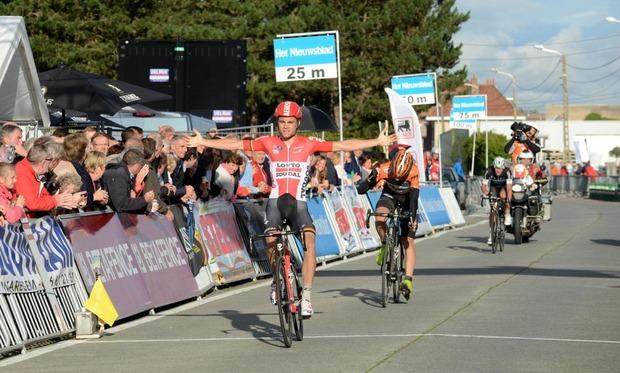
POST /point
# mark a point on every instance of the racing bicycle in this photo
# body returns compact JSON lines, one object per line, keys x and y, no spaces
{"x":498,"y":229}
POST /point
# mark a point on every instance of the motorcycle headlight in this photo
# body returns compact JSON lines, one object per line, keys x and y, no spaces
{"x":517,"y":188}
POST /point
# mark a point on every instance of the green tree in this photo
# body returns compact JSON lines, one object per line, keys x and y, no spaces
{"x":378,"y":39}
{"x":594,"y":116}
{"x":615,"y":152}
{"x":496,"y":149}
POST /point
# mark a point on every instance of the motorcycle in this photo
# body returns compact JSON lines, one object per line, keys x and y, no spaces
{"x":527,"y":208}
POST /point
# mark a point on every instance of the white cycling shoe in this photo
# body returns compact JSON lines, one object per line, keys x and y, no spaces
{"x":507,"y":219}
{"x":490,"y":240}
{"x":306,"y":308}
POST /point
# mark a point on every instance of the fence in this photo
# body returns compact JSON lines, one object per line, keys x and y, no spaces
{"x":46,"y":265}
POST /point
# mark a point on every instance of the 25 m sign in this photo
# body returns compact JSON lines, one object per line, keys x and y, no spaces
{"x":305,"y":58}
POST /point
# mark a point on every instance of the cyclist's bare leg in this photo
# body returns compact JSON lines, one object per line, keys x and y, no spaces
{"x":409,"y":246}
{"x":308,"y":267}
{"x":271,"y":252}
{"x":506,"y":195}
{"x":380,"y":222}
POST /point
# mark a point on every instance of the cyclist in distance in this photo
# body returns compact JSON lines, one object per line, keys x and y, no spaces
{"x":290,"y":155}
{"x":400,"y":179}
{"x":498,"y":183}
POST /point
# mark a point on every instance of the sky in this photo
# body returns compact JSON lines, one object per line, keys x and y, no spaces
{"x":501,"y":34}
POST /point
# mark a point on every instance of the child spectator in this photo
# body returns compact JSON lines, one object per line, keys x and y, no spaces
{"x":11,"y":205}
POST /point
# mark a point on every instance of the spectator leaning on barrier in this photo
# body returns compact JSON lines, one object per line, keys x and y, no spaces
{"x":11,"y":137}
{"x":179,"y":150}
{"x":151,"y":182}
{"x":30,"y":173}
{"x":289,"y":154}
{"x":261,"y":176}
{"x":94,"y":164}
{"x":318,"y":176}
{"x":226,"y":178}
{"x":11,"y":204}
{"x":118,"y":180}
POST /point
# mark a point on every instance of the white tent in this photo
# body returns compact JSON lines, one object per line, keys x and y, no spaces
{"x":21,"y":98}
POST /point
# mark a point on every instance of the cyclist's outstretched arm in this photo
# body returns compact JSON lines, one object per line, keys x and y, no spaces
{"x":358,"y":144}
{"x":224,"y":144}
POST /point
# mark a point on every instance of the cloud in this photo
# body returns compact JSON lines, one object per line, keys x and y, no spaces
{"x":502,"y":34}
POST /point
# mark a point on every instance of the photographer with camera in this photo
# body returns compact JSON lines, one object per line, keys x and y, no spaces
{"x":523,"y":138}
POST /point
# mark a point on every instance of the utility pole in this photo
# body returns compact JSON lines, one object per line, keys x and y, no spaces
{"x":565,"y":104}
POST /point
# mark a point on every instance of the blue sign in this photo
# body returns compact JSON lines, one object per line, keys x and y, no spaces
{"x":417,"y":89}
{"x":326,"y":243}
{"x":373,"y":198}
{"x":305,"y":58}
{"x":434,"y":207}
{"x":466,"y":110}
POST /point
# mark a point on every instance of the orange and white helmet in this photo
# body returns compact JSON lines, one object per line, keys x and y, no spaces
{"x":401,"y":165}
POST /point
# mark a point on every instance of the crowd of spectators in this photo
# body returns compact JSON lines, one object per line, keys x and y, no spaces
{"x":89,"y":170}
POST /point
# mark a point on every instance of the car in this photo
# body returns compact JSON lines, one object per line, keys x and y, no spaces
{"x":458,"y":187}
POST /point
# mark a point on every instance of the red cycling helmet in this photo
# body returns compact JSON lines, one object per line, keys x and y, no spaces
{"x":288,"y":109}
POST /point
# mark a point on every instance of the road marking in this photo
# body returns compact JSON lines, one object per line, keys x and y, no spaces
{"x":358,"y":336}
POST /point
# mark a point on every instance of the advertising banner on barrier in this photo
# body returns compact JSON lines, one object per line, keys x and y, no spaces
{"x":373,"y":198}
{"x":326,"y":242}
{"x":434,"y":207}
{"x":359,"y":214}
{"x":251,"y":218}
{"x":140,"y":259}
{"x":424,"y":226}
{"x":454,"y":211}
{"x":18,"y":271}
{"x":55,"y":250}
{"x":228,"y":258}
{"x":345,"y":229}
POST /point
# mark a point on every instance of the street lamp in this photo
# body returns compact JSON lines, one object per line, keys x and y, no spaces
{"x":612,"y":19}
{"x":564,"y":96}
{"x":514,"y":89}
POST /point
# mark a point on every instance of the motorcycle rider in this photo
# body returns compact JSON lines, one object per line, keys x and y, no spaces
{"x":498,"y":182}
{"x":523,"y":138}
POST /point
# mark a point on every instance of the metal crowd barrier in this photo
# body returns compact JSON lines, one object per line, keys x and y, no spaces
{"x":577,"y":185}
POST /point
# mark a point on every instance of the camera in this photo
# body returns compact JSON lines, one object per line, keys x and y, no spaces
{"x":519,"y":126}
{"x":7,"y":153}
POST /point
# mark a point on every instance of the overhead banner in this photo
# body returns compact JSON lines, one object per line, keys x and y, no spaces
{"x":18,"y":270}
{"x":407,"y":128}
{"x":345,"y":229}
{"x":305,"y":58}
{"x":140,"y":259}
{"x":228,"y":258}
{"x":326,"y":242}
{"x":467,"y":110}
{"x":359,"y":214}
{"x":416,"y":89}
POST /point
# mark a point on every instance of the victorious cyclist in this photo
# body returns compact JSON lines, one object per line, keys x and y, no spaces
{"x":498,"y":183}
{"x":290,"y":155}
{"x":400,"y":179}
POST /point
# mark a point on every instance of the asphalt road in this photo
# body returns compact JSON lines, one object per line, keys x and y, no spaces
{"x":552,"y":304}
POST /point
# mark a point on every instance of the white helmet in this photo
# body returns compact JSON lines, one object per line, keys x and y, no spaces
{"x":499,"y":162}
{"x":526,"y":154}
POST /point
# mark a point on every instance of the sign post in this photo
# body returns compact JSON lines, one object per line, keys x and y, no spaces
{"x":465,"y":113}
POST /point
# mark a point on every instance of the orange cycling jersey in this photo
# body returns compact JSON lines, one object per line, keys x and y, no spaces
{"x":413,"y":179}
{"x":289,"y":165}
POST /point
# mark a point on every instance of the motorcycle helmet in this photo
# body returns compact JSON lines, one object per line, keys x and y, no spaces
{"x":288,"y":109}
{"x":526,"y":154}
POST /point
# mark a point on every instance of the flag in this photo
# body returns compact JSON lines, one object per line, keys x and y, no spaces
{"x":407,"y":127}
{"x":100,"y":304}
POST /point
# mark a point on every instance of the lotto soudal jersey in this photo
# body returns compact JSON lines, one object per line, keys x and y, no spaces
{"x":289,"y":164}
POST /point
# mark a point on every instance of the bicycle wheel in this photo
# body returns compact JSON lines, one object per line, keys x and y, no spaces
{"x":386,"y":268}
{"x":494,"y":225}
{"x":284,"y":311}
{"x":398,"y":271}
{"x":297,"y":318}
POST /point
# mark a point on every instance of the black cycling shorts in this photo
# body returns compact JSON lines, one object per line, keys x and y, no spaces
{"x":494,"y":190}
{"x":388,"y":201}
{"x":300,"y":219}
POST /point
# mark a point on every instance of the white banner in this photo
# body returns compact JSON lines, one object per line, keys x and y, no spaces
{"x":407,"y":127}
